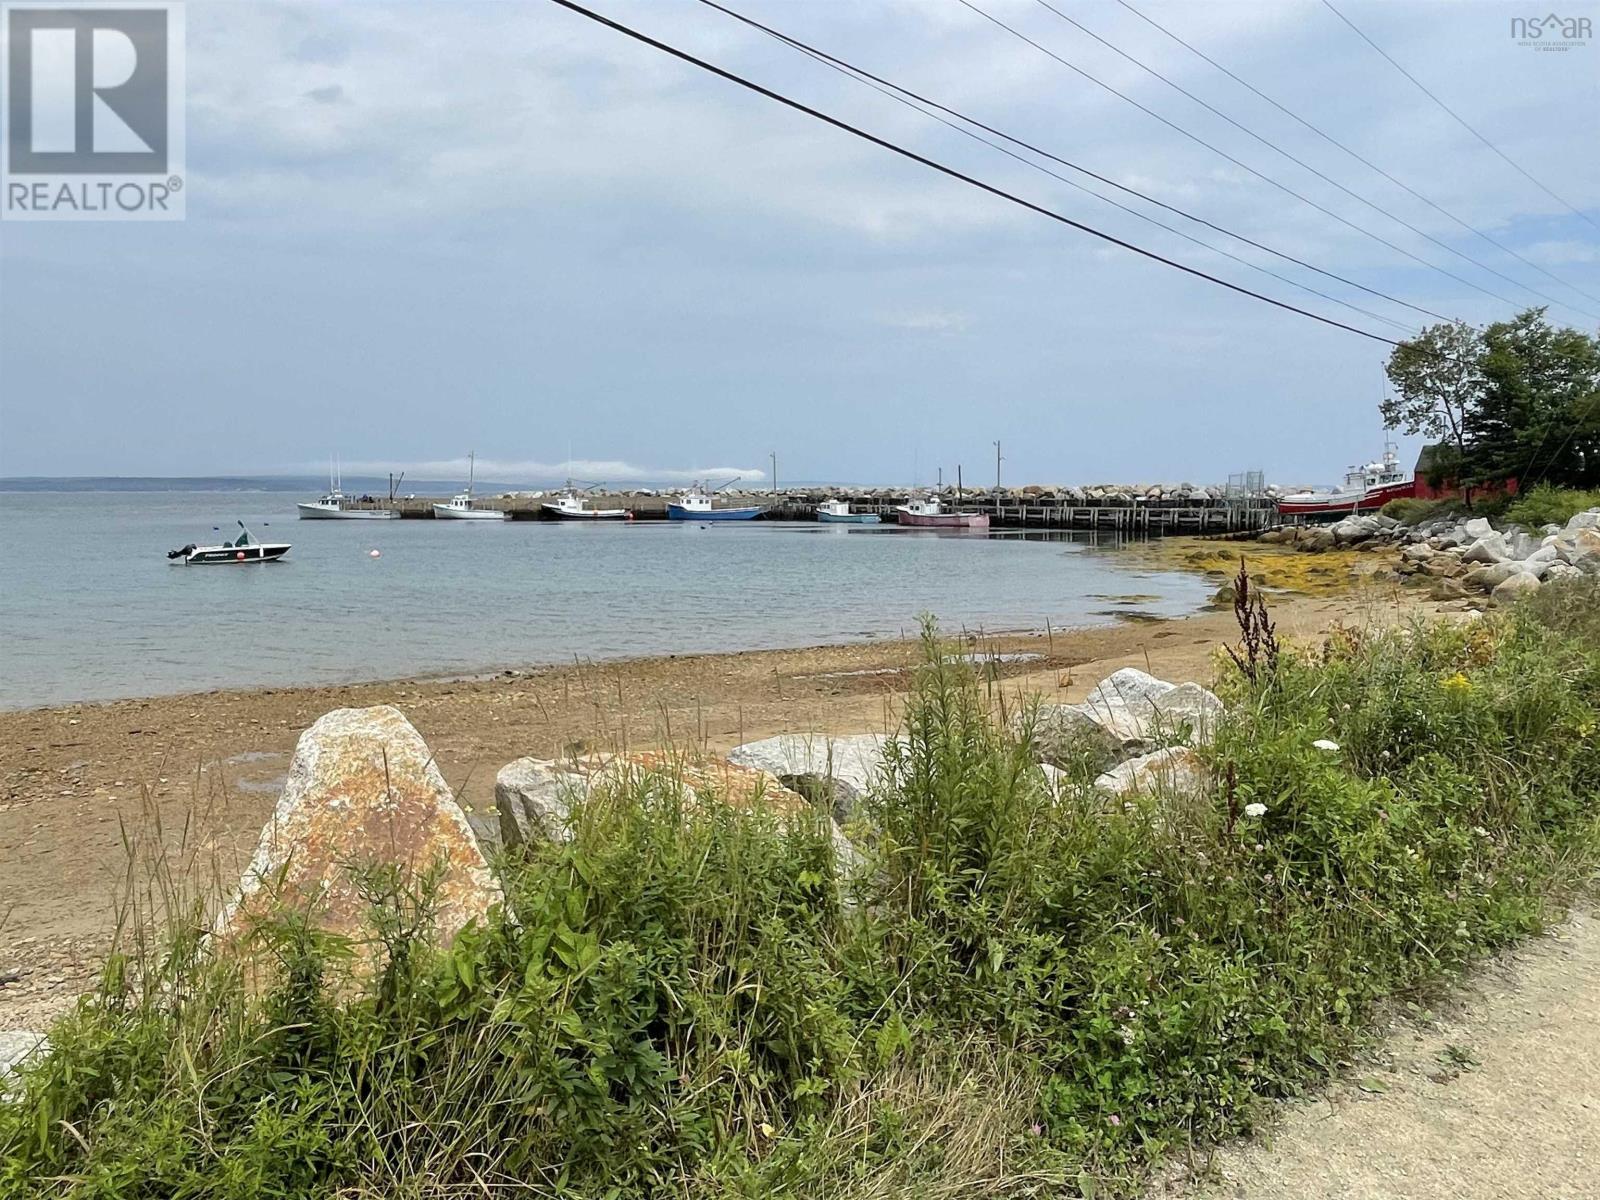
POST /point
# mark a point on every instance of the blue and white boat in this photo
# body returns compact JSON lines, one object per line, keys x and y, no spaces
{"x":695,"y":505}
{"x":837,"y":512}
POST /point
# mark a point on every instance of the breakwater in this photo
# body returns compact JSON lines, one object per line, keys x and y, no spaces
{"x":1120,"y":511}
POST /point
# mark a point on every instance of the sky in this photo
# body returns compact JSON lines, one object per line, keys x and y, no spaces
{"x":416,"y":230}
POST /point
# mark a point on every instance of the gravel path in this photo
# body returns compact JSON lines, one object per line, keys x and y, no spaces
{"x":1498,"y":1100}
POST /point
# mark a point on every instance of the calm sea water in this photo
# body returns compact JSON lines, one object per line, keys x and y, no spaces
{"x":91,"y":609}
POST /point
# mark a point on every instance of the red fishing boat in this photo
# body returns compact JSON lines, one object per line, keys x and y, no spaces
{"x":1366,"y":489}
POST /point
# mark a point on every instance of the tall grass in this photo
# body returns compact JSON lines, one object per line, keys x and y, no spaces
{"x":1022,"y":988}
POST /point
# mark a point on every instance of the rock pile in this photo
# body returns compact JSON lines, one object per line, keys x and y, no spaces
{"x":1463,"y":556}
{"x":1136,"y":730}
{"x":534,"y":797}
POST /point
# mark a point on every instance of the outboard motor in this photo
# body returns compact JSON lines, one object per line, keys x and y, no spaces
{"x":184,"y":553}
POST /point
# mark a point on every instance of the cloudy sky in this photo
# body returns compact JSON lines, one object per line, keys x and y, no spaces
{"x":420,"y":229}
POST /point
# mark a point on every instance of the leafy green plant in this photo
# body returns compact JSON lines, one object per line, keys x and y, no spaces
{"x":1548,"y":505}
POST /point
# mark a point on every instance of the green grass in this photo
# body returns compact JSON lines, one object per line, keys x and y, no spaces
{"x":1019,"y":994}
{"x":1547,"y":505}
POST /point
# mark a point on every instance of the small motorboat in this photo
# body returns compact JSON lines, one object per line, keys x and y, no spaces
{"x":459,"y":507}
{"x":837,"y":512}
{"x":569,"y":505}
{"x":926,"y":512}
{"x":696,"y":505}
{"x":245,"y":550}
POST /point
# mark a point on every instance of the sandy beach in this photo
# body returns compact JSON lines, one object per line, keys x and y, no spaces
{"x":202,"y":771}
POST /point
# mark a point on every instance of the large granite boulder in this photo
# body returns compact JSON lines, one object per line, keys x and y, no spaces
{"x":1136,"y":707}
{"x":1487,"y":578}
{"x":1172,"y":771}
{"x":840,"y":769}
{"x":363,"y":791}
{"x":1066,"y":736}
{"x":533,"y":799}
{"x":1514,"y":587}
{"x":1490,"y":548}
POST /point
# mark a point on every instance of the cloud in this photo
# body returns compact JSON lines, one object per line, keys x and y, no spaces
{"x":928,"y":322}
{"x":596,"y":470}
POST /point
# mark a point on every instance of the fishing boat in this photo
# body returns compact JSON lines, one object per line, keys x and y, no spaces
{"x":837,"y":512}
{"x":334,"y":505}
{"x":245,"y":550}
{"x":696,"y":505}
{"x":1367,"y":487}
{"x":926,"y":512}
{"x":569,"y":505}
{"x":459,"y":507}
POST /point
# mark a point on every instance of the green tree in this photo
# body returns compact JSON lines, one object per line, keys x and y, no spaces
{"x":1537,"y":418}
{"x":1438,"y":383}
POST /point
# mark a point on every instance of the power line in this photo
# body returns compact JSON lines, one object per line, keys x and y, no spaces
{"x":1300,"y":162}
{"x":900,"y":95}
{"x":885,"y":144}
{"x":1082,"y":170}
{"x":1458,"y":117}
{"x":1197,"y":139}
{"x":1360,"y":158}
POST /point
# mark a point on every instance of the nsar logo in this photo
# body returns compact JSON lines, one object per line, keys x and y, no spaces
{"x":1551,"y":32}
{"x":91,"y":116}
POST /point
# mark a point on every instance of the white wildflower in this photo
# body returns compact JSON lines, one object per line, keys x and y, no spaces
{"x":1255,"y":810}
{"x":1326,"y":744}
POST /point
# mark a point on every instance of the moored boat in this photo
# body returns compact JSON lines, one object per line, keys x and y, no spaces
{"x":696,"y":505}
{"x":837,"y":512}
{"x":245,"y":550}
{"x":460,"y":508}
{"x":335,"y":505}
{"x":927,"y":512}
{"x":569,"y":505}
{"x":1365,"y":488}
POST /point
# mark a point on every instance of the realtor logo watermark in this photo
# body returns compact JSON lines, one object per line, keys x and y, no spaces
{"x":92,"y":112}
{"x":1551,"y":32}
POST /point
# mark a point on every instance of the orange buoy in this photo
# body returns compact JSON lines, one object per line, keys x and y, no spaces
{"x":240,"y":556}
{"x":373,"y":554}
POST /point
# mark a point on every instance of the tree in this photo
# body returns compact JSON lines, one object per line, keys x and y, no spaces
{"x":1538,"y":417}
{"x":1438,"y":382}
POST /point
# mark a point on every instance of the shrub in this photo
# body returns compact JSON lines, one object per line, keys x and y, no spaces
{"x":1547,"y":505}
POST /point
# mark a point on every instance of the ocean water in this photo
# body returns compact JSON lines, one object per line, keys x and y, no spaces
{"x":91,"y":609}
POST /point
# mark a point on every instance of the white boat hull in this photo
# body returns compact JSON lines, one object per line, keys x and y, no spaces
{"x":324,"y":512}
{"x":445,"y":512}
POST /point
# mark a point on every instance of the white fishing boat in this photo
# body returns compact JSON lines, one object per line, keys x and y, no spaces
{"x":335,"y":506}
{"x":569,"y":505}
{"x":244,"y":550}
{"x":460,"y":507}
{"x":837,"y":512}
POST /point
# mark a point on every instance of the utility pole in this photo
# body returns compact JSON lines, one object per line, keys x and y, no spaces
{"x":958,"y":484}
{"x":774,"y":457}
{"x":997,"y":469}
{"x":941,"y":479}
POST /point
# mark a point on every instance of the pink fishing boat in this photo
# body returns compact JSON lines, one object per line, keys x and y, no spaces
{"x":927,"y":512}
